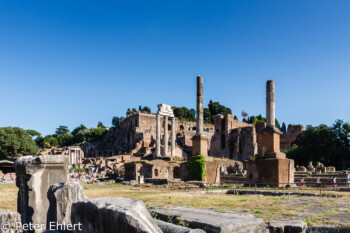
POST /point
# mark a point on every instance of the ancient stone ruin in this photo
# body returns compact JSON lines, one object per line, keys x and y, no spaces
{"x":52,"y":204}
{"x":271,"y":167}
{"x":165,"y":111}
{"x":34,"y":176}
{"x":199,"y":140}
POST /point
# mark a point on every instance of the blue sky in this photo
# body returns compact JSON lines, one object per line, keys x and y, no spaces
{"x":73,"y":62}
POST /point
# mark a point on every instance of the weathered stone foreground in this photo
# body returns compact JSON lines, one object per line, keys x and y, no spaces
{"x":212,"y":221}
{"x":10,"y":218}
{"x":34,"y":176}
{"x":109,"y":215}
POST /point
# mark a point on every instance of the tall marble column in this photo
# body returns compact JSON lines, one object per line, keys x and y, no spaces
{"x":199,"y":114}
{"x":158,"y":136}
{"x":270,"y":103}
{"x":173,"y":136}
{"x":200,"y":140}
{"x":166,"y":136}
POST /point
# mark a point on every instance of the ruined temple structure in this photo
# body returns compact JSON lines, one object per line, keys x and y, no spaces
{"x":165,"y":111}
{"x":271,"y":167}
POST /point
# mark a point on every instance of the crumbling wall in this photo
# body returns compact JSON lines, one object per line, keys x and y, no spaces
{"x":232,"y":138}
{"x":292,"y":133}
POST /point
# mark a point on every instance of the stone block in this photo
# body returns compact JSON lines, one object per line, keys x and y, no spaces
{"x":287,"y":227}
{"x":167,"y":227}
{"x":8,"y":221}
{"x":276,"y":172}
{"x":213,"y":221}
{"x":61,"y":197}
{"x":200,"y":145}
{"x":35,"y":175}
{"x":109,"y":215}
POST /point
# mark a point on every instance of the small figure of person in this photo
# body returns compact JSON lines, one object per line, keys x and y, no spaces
{"x":318,"y":182}
{"x":334,"y":181}
{"x":348,"y":180}
{"x":12,"y":178}
{"x":302,"y":182}
{"x":3,"y":178}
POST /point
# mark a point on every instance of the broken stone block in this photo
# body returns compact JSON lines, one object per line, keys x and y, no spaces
{"x":212,"y":221}
{"x":287,"y":227}
{"x":167,"y":227}
{"x":109,"y":215}
{"x":9,"y":221}
{"x":34,"y":176}
{"x":61,"y":197}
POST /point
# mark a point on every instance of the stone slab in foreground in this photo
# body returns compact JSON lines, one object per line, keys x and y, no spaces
{"x":167,"y":227}
{"x":287,"y":227}
{"x":110,"y":215}
{"x":212,"y":221}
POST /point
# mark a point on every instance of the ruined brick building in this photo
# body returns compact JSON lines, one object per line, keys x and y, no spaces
{"x":136,"y":134}
{"x":238,"y":140}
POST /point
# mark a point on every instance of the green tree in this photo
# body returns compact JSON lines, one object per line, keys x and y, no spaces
{"x":216,"y":108}
{"x":65,"y":139}
{"x":100,"y":125}
{"x":15,"y":141}
{"x":319,"y":143}
{"x":115,"y":121}
{"x":53,"y":141}
{"x":284,"y":128}
{"x":184,"y":114}
{"x":62,"y":130}
{"x":342,"y":132}
{"x":146,"y":109}
{"x":77,"y":129}
{"x":96,"y":134}
{"x":33,"y":133}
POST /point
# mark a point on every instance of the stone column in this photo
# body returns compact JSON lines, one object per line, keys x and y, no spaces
{"x":199,"y":141}
{"x":166,"y":136}
{"x":173,"y":136}
{"x":199,"y":128}
{"x":270,"y":103}
{"x":158,"y":136}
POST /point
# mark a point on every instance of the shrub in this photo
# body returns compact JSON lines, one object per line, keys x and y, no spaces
{"x":196,"y":168}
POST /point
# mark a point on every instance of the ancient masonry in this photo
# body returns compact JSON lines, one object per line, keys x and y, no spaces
{"x":50,"y":203}
{"x":199,"y":141}
{"x":271,"y":166}
{"x":165,"y":111}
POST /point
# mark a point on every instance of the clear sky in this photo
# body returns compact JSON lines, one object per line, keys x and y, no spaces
{"x":71,"y":62}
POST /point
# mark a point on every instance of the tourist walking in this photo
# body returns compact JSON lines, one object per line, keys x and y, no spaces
{"x":302,"y":182}
{"x":348,"y":180}
{"x":334,"y":181}
{"x":318,"y":182}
